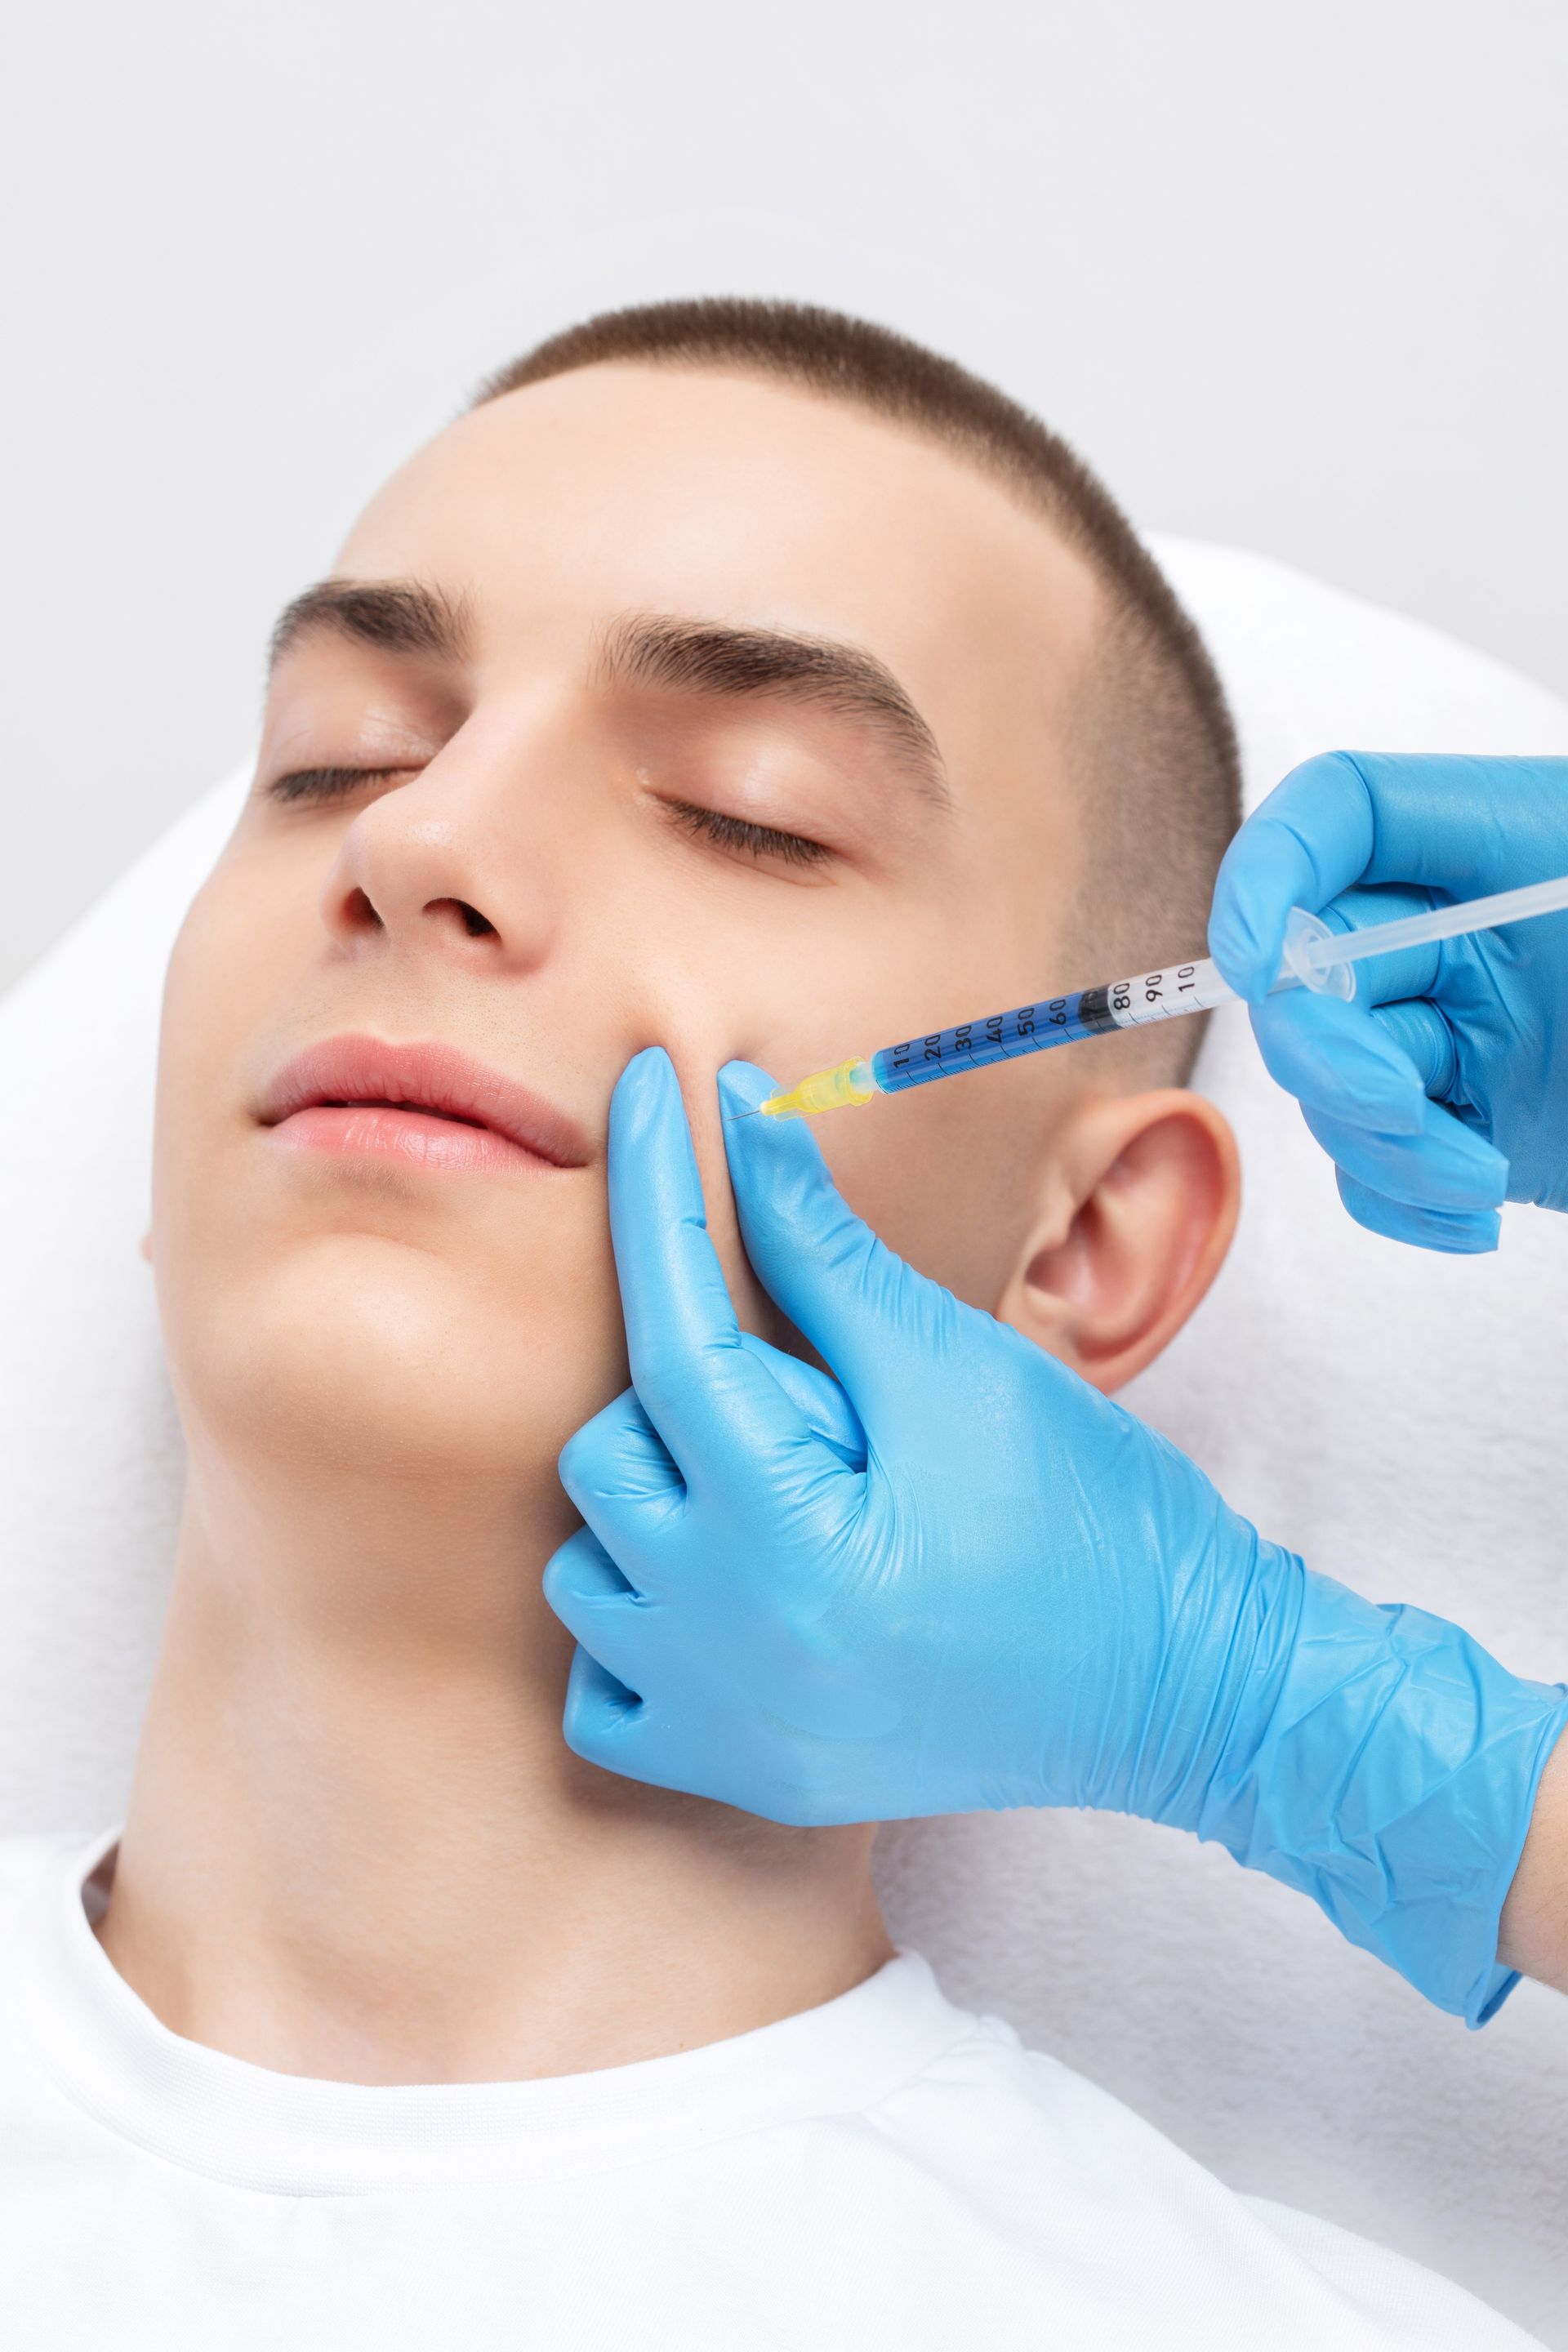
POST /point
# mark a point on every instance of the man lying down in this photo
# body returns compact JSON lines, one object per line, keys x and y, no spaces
{"x":741,"y":679}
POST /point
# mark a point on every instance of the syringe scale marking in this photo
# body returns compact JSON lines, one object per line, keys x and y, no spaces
{"x":1315,"y":956}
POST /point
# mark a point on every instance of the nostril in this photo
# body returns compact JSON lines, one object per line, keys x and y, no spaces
{"x":358,"y":913}
{"x":477,"y":926}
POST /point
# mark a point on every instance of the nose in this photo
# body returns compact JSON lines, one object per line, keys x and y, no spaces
{"x":428,"y":869}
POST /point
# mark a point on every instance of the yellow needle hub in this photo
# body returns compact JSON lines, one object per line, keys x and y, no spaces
{"x":851,"y":1082}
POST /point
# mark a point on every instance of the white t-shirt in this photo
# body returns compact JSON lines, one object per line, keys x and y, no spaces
{"x":886,"y":2171}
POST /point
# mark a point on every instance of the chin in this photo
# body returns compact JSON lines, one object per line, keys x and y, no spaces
{"x":354,"y":1355}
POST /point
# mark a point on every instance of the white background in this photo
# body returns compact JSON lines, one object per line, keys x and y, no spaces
{"x":1292,"y":276}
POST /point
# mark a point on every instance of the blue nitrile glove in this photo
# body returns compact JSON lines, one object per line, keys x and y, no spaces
{"x":964,"y":1579}
{"x":1443,"y":1088}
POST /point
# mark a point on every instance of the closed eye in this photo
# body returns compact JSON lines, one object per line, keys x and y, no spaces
{"x":758,"y":841}
{"x":328,"y":783}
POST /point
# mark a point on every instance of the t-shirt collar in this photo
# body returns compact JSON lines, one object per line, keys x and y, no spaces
{"x":293,"y":2135}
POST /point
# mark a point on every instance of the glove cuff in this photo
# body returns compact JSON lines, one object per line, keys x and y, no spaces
{"x":1393,"y":1782}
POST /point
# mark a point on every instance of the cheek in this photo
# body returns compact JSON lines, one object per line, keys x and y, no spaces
{"x":211,"y":985}
{"x":227,"y":969}
{"x":950,"y":1175}
{"x":248,"y":932}
{"x":944,"y":1174}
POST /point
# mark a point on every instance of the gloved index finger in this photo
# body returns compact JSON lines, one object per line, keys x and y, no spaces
{"x":699,"y":1386}
{"x":1462,"y":822}
{"x":1456,"y":823}
{"x":873,"y":1319}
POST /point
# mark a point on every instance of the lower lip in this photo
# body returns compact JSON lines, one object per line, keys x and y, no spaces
{"x":418,"y":1138}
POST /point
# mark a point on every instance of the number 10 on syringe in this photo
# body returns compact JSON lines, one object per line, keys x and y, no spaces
{"x":1316,"y":957}
{"x":1006,"y":1037}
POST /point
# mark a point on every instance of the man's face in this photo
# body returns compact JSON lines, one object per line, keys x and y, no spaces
{"x":669,"y":707}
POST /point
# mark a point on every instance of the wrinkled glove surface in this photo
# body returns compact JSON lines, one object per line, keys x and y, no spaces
{"x":957,"y":1577}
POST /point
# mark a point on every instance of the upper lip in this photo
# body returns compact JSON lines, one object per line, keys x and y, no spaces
{"x":425,"y":1076}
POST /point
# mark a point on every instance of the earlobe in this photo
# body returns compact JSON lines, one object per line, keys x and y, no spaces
{"x":1143,"y":1200}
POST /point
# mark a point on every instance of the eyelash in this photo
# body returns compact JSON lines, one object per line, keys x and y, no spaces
{"x":325,"y":783}
{"x":757,"y":840}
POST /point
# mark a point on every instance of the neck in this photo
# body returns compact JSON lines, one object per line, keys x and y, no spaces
{"x":357,"y":1847}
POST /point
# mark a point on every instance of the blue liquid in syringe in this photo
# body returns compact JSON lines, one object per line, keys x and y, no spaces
{"x":1056,"y":1021}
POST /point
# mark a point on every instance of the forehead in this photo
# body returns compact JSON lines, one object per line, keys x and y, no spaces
{"x":625,"y":489}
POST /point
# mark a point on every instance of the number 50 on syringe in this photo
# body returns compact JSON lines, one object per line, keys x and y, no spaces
{"x":1316,"y":957}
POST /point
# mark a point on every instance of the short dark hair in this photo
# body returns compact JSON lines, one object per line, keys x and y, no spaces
{"x":1154,"y":740}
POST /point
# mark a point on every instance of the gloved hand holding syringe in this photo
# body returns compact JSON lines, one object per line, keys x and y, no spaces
{"x":1315,"y":956}
{"x":798,"y":1594}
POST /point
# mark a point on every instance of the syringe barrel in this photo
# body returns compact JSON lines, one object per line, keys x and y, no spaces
{"x":1132,"y":1004}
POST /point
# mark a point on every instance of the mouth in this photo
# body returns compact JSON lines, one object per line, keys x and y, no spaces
{"x":427,"y":1104}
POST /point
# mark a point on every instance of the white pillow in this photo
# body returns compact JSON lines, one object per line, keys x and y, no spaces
{"x":1396,"y":1416}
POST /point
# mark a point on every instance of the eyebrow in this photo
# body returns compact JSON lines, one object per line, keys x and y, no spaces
{"x":706,"y":658}
{"x":692,"y":656}
{"x":402,"y":616}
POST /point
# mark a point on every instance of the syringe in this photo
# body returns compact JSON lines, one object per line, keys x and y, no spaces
{"x":1315,"y":957}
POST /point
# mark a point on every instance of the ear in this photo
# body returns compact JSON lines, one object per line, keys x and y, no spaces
{"x":145,"y":1245}
{"x":1141,"y":1203}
